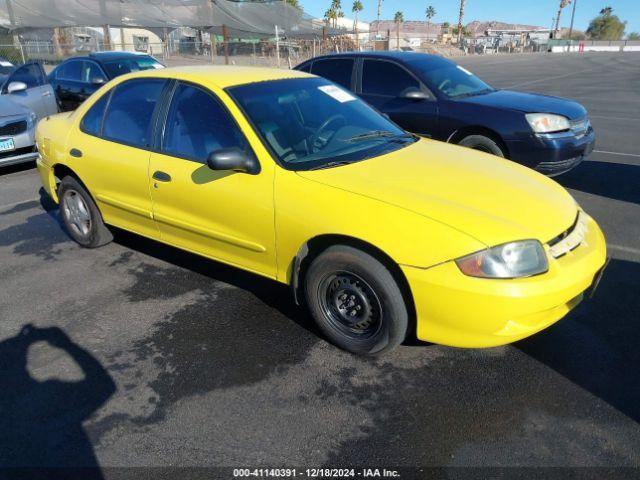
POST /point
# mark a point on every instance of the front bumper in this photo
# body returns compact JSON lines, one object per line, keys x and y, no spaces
{"x":47,"y":178}
{"x":460,"y":311}
{"x":552,"y":154}
{"x":25,"y":150}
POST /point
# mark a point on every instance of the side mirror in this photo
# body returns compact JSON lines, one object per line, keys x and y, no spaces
{"x":417,"y":95}
{"x":233,"y":159}
{"x":15,"y":87}
{"x":97,"y":81}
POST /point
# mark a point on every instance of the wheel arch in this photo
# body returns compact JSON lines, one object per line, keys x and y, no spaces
{"x":60,"y":170}
{"x":316,"y":245}
{"x":463,"y":132}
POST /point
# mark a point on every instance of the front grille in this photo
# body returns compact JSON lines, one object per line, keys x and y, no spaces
{"x":17,"y":151}
{"x":13,"y":128}
{"x":571,"y":238}
{"x":580,"y":127}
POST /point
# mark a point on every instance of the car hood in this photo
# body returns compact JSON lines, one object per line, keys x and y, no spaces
{"x":9,"y":108}
{"x":529,"y":103}
{"x":489,"y":198}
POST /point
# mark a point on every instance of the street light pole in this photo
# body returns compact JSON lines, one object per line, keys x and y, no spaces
{"x":573,"y":14}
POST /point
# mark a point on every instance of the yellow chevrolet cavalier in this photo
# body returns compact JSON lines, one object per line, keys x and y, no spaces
{"x":382,"y":234}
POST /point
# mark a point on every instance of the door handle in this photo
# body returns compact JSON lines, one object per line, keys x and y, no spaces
{"x":46,"y":94}
{"x":74,"y":152}
{"x":161,"y":176}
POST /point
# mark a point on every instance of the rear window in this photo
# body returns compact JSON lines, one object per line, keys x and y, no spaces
{"x":337,"y":70}
{"x":121,"y":66}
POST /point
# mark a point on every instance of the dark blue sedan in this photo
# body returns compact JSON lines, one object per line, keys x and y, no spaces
{"x":434,"y":97}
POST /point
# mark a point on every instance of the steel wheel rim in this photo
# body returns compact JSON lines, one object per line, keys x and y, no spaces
{"x":76,"y":212}
{"x":350,"y":304}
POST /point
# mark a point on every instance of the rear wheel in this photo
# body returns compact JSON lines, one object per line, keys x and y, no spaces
{"x":81,"y":216}
{"x":482,"y":143}
{"x":356,"y":301}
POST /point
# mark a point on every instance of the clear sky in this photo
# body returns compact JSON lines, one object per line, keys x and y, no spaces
{"x":530,"y":12}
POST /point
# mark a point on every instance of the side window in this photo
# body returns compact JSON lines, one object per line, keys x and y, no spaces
{"x":70,"y":71}
{"x":338,"y":70}
{"x":30,"y":74}
{"x":92,"y":121}
{"x":386,"y":78}
{"x":306,"y":68}
{"x":128,"y":118}
{"x":197,"y":125}
{"x":91,"y":72}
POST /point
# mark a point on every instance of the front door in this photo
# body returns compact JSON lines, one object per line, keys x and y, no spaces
{"x":223,"y":215}
{"x":384,"y":84}
{"x":39,"y":95}
{"x":112,"y":151}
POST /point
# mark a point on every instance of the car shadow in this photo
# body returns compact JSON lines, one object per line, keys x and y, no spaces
{"x":41,"y":422}
{"x":596,"y":345}
{"x":275,"y":295}
{"x":618,"y":181}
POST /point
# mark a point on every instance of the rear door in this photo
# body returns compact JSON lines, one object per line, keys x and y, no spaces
{"x":112,"y":149}
{"x":383,"y":84}
{"x":39,"y":95}
{"x":337,"y":70}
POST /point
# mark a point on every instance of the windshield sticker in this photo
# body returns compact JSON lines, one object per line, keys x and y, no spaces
{"x":5,"y":64}
{"x":337,"y":93}
{"x":464,"y":70}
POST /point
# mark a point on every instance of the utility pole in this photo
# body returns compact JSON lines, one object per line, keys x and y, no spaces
{"x":378,"y":22}
{"x":12,"y":18}
{"x":573,"y":14}
{"x":460,"y":19}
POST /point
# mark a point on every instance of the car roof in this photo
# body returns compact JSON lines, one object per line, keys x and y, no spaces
{"x":403,"y":57}
{"x":115,"y":55}
{"x":221,"y":76}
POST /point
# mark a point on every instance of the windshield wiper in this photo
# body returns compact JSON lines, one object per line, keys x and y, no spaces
{"x":331,"y":165}
{"x":378,"y":134}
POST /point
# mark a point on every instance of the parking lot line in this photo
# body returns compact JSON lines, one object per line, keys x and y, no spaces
{"x":622,"y":248}
{"x":617,"y":153}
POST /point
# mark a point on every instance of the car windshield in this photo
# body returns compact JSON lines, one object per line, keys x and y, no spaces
{"x":121,"y":66}
{"x":453,"y":80}
{"x":310,"y":123}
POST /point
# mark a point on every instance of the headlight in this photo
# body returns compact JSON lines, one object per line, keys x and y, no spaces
{"x":547,"y":122}
{"x":32,"y":119}
{"x":511,"y":260}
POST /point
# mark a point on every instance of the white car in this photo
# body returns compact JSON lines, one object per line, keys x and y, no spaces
{"x":25,"y":97}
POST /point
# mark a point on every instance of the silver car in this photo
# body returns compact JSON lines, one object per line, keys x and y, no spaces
{"x":25,"y":97}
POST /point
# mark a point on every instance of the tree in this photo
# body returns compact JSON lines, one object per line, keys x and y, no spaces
{"x":398,"y":18}
{"x":606,"y":26}
{"x":430,"y":13}
{"x":378,"y":17}
{"x":633,"y":36}
{"x":460,"y":18}
{"x":293,"y":3}
{"x":563,"y":4}
{"x":356,"y":8}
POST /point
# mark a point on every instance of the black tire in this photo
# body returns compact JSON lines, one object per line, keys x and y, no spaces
{"x":343,"y":280}
{"x":482,"y":143}
{"x":81,"y":216}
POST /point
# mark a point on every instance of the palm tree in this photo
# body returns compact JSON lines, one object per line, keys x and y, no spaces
{"x":563,"y":3}
{"x":357,"y":7}
{"x":398,"y":18}
{"x":431,"y":12}
{"x":460,"y":18}
{"x":378,"y":18}
{"x":336,"y":9}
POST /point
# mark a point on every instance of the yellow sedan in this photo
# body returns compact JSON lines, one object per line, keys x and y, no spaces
{"x":380,"y":233}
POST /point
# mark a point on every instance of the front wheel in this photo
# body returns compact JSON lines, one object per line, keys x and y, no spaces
{"x":81,"y":216}
{"x":482,"y":143}
{"x":356,"y":301}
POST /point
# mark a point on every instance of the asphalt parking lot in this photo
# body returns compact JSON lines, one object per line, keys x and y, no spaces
{"x":190,"y":363}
